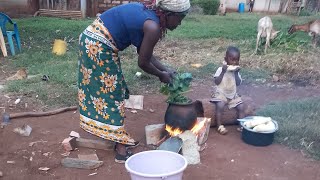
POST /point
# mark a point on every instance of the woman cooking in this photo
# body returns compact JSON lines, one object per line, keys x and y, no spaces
{"x":102,"y":88}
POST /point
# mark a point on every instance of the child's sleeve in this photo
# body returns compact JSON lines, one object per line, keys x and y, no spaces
{"x":218,"y":72}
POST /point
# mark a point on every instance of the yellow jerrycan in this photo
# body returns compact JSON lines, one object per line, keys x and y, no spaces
{"x":59,"y":47}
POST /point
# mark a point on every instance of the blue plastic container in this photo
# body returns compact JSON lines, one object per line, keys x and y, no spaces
{"x":241,"y":7}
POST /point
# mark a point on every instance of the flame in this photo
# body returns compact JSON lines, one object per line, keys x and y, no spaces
{"x":173,"y":131}
{"x":195,"y":129}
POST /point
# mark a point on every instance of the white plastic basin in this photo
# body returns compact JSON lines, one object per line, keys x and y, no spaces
{"x":156,"y":165}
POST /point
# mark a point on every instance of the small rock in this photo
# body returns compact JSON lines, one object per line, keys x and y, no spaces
{"x":69,"y":143}
{"x":11,"y":162}
{"x":286,"y":162}
{"x":31,"y":158}
{"x":151,"y":110}
{"x":44,"y":168}
{"x":81,"y":164}
{"x":1,"y":173}
{"x":74,"y":134}
{"x":25,"y":130}
{"x":232,"y":160}
{"x":275,"y":78}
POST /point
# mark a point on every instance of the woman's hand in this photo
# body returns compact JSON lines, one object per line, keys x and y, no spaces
{"x":172,"y":72}
{"x":165,"y":77}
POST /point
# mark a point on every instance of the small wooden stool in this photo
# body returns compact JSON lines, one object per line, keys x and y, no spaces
{"x":3,"y":45}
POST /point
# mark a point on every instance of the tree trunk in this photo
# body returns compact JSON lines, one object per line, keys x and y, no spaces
{"x":281,"y":5}
{"x":229,"y":116}
{"x":286,"y":5}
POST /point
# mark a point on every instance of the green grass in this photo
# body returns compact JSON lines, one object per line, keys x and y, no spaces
{"x":299,"y":125}
{"x":234,"y":26}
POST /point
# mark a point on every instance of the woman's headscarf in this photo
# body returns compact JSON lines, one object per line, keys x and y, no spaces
{"x":162,"y":7}
{"x":173,"y":5}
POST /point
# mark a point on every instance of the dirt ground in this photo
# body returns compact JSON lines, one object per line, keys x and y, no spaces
{"x":226,"y":157}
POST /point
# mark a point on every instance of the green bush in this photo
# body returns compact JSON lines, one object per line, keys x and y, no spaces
{"x":210,"y":7}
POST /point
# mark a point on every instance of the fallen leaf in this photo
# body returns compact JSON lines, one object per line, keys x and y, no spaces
{"x":196,"y":65}
{"x":134,"y":111}
{"x":65,"y":154}
{"x":93,"y":174}
{"x":47,"y":154}
{"x":17,"y":101}
{"x":33,"y":143}
{"x":138,"y":74}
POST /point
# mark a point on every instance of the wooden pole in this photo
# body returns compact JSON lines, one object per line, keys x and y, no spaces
{"x":83,"y":7}
{"x":269,"y":5}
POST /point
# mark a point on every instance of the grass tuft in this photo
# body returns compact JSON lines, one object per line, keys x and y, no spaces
{"x":298,"y":124}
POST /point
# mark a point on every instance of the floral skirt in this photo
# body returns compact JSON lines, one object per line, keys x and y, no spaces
{"x":101,"y":85}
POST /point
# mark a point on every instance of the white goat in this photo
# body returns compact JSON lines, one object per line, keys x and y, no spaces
{"x":265,"y":29}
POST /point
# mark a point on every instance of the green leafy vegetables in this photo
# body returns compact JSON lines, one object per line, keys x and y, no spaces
{"x":176,"y":90}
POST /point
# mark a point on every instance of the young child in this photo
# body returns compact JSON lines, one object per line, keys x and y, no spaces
{"x":227,"y":78}
{"x":251,"y":4}
{"x":222,"y":8}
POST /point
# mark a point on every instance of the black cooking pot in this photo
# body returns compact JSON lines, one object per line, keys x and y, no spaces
{"x":183,"y":116}
{"x":258,"y":138}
